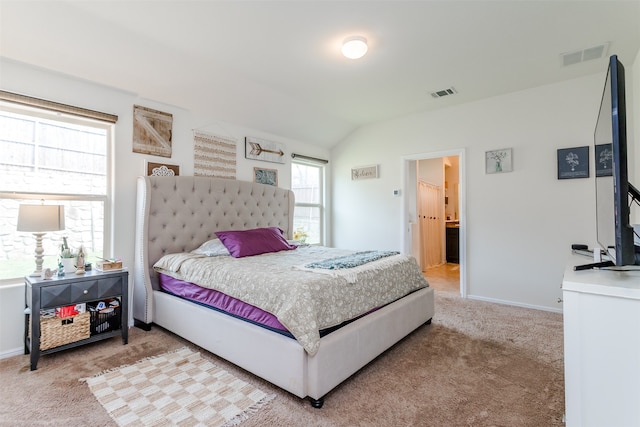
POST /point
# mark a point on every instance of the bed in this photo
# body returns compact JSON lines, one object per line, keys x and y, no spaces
{"x":175,"y":215}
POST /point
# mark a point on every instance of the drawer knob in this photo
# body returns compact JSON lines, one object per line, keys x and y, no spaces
{"x":85,"y":292}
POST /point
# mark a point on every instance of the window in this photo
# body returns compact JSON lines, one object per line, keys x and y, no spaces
{"x":307,"y":183}
{"x":52,"y":157}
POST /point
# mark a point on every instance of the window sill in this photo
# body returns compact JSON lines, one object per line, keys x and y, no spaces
{"x":10,"y":283}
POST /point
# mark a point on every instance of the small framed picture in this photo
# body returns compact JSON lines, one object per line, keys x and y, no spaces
{"x":161,"y":169}
{"x":265,"y":176}
{"x":499,"y":161}
{"x":364,"y":172}
{"x":573,"y":162}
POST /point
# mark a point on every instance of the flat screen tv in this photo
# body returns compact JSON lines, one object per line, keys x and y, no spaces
{"x":614,"y":193}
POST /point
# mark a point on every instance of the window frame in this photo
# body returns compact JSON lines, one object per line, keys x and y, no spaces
{"x":321,"y":166}
{"x":46,"y":110}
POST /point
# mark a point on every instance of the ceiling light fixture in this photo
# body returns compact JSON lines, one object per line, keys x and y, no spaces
{"x":354,"y":47}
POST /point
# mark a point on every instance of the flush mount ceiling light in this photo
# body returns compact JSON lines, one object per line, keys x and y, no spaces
{"x":354,"y":47}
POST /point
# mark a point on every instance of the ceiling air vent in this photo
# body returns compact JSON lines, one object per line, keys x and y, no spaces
{"x":578,"y":56}
{"x":444,"y":92}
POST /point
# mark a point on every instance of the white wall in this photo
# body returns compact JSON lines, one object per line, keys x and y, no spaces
{"x":520,"y":225}
{"x":128,"y":166}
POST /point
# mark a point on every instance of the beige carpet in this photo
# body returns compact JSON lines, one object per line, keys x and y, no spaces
{"x":478,"y":364}
{"x":175,"y":388}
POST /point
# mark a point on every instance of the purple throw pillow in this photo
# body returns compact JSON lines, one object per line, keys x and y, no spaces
{"x":257,"y":241}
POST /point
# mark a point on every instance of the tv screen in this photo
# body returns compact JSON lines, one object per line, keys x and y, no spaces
{"x":614,"y":232}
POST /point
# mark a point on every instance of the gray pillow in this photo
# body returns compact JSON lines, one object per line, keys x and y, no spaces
{"x":213,"y":247}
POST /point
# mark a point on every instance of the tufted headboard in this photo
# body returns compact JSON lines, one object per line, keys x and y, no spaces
{"x":178,"y":214}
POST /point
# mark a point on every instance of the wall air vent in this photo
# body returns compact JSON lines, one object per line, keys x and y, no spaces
{"x":578,"y":56}
{"x":444,"y":92}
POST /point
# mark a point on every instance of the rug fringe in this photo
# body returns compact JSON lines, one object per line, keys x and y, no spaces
{"x":243,"y":416}
{"x":107,"y":371}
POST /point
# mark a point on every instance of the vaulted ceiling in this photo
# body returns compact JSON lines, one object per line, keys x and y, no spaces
{"x":276,"y":65}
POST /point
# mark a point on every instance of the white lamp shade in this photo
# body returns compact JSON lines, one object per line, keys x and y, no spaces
{"x":354,"y":47}
{"x":40,"y":218}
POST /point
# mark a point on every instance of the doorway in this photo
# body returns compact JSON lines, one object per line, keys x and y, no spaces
{"x":434,"y":217}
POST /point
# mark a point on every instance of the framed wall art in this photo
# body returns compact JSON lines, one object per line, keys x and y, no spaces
{"x":213,"y":155}
{"x":499,"y":161}
{"x":265,"y":176}
{"x":364,"y":172}
{"x":259,"y":149}
{"x":161,"y":169}
{"x":152,"y":131}
{"x":573,"y":162}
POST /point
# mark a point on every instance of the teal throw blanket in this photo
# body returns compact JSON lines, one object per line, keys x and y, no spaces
{"x":350,"y":261}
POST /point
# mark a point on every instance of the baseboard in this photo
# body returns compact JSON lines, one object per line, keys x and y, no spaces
{"x":10,"y":353}
{"x":516,"y":304}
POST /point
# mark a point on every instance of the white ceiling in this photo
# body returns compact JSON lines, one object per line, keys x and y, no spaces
{"x":276,"y":66}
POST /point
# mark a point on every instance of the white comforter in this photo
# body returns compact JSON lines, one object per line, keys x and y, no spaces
{"x":303,"y":301}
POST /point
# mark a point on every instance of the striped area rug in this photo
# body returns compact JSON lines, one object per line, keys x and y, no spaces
{"x":179,"y":388}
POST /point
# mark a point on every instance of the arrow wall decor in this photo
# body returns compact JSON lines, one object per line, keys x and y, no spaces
{"x":260,"y":149}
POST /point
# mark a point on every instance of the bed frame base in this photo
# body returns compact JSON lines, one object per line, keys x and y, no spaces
{"x":282,"y":360}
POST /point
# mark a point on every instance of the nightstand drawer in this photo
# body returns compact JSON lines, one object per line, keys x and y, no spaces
{"x":110,"y":287}
{"x":58,"y":295}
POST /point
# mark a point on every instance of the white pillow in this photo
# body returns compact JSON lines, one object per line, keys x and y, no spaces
{"x":212,"y":247}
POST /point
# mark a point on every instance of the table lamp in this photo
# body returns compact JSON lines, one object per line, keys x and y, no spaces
{"x":39,"y":219}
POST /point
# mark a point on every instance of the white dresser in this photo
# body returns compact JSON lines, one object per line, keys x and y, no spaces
{"x":601,"y":346}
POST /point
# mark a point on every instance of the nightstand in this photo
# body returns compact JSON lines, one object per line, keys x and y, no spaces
{"x":89,"y":289}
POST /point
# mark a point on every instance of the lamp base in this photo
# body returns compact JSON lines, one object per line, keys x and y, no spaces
{"x":39,"y":251}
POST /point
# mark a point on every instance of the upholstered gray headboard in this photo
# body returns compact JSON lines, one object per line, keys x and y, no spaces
{"x":178,"y":214}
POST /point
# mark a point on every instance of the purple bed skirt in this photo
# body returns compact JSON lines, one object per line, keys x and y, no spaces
{"x":220,"y":301}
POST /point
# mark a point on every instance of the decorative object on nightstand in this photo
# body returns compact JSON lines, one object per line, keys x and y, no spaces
{"x":39,"y":219}
{"x":80,"y":261}
{"x":67,"y":259}
{"x":110,"y":264}
{"x":47,"y":274}
{"x":62,"y":312}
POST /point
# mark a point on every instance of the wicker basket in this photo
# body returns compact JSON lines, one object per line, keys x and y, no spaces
{"x":56,"y":331}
